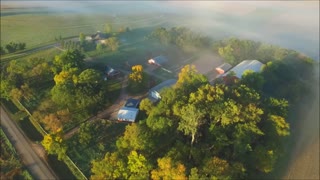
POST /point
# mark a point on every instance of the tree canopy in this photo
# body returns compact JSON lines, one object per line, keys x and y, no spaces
{"x":207,"y":131}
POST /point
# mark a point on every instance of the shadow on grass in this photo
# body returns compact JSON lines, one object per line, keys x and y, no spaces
{"x":60,"y":168}
{"x":30,"y":130}
{"x":10,"y":106}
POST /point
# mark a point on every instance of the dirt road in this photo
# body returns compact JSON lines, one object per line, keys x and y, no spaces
{"x":38,"y":168}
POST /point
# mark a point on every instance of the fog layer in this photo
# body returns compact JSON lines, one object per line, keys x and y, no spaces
{"x":293,"y":24}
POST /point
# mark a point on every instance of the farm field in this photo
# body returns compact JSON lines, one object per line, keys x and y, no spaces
{"x":20,"y":27}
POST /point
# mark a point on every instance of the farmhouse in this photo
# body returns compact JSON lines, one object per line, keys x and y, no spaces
{"x":154,"y":93}
{"x":158,"y":61}
{"x":129,"y":111}
{"x":239,"y":69}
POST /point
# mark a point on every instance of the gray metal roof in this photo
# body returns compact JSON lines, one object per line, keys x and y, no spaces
{"x":167,"y":83}
{"x":128,"y":114}
{"x":160,"y":60}
{"x":225,"y":66}
{"x":239,"y":69}
{"x":133,"y":103}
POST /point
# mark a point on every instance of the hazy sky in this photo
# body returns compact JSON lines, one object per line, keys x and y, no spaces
{"x":292,"y":24}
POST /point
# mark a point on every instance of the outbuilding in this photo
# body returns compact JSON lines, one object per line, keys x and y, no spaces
{"x":158,"y":61}
{"x":239,"y":69}
{"x":128,"y":114}
{"x":154,"y":93}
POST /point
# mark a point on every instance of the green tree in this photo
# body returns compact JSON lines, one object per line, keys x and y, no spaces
{"x":191,"y":120}
{"x":99,"y":47}
{"x":5,"y":88}
{"x":216,"y":168}
{"x":133,"y":139}
{"x":16,"y":94}
{"x":113,"y":43}
{"x":82,"y":38}
{"x":264,"y":158}
{"x":146,"y":105}
{"x":54,"y":144}
{"x":108,"y":28}
{"x":66,"y":76}
{"x":189,"y":80}
{"x":253,"y":80}
{"x":69,"y":59}
{"x":227,"y":53}
{"x":89,"y":76}
{"x":110,"y":167}
{"x":87,"y":132}
{"x":138,"y":166}
{"x":2,"y":51}
{"x":168,"y":170}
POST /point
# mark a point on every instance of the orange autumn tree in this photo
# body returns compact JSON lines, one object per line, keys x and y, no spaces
{"x":167,"y":169}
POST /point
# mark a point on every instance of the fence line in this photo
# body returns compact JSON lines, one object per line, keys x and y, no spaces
{"x":73,"y":167}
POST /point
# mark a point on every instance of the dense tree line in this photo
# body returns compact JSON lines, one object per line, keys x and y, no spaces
{"x":181,"y":37}
{"x":201,"y":131}
{"x":20,"y":79}
{"x":12,"y":47}
{"x":77,"y":93}
{"x":59,"y":93}
{"x":235,"y":50}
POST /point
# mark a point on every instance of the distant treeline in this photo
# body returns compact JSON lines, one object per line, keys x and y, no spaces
{"x":12,"y":47}
{"x":235,"y":50}
{"x":180,"y":36}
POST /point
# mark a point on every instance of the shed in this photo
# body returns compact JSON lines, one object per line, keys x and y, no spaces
{"x":159,"y":60}
{"x":128,"y":114}
{"x":240,"y":68}
{"x":154,"y":93}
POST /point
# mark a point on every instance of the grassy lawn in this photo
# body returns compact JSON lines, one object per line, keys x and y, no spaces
{"x":114,"y":89}
{"x":47,"y":54}
{"x":19,"y":26}
{"x":10,"y":106}
{"x":60,"y":168}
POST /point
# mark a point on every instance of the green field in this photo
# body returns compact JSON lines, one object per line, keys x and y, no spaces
{"x":37,"y":28}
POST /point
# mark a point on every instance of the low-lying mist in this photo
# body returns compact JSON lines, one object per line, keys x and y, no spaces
{"x":293,"y":25}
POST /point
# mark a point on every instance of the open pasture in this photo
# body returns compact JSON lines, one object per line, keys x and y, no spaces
{"x":36,"y":28}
